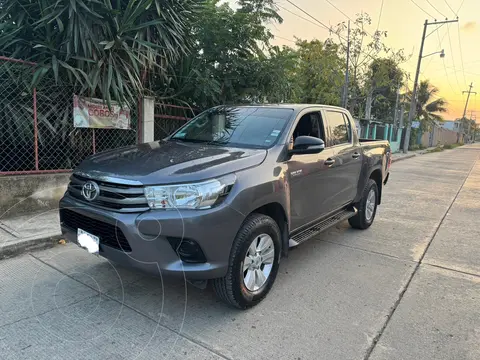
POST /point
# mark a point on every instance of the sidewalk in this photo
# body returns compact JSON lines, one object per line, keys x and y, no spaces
{"x":401,"y":156}
{"x":29,"y":232}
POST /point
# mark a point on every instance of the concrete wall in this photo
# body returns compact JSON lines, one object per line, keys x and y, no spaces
{"x":440,"y":136}
{"x":395,"y":143}
{"x":24,"y":194}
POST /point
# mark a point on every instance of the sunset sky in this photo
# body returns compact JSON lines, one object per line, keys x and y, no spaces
{"x":404,"y":23}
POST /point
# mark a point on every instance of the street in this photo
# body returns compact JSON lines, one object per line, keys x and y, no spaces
{"x":407,"y":288}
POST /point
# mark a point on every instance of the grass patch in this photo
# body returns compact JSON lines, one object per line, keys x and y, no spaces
{"x":452,"y":146}
{"x":437,"y":149}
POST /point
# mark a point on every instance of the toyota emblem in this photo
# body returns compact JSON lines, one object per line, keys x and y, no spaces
{"x":90,"y":190}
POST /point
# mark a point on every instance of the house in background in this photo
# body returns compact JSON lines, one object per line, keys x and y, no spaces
{"x":454,"y":125}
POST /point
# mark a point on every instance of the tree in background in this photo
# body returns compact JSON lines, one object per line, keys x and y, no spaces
{"x":384,"y":79}
{"x":98,"y":48}
{"x":429,"y":106}
{"x":319,"y":73}
{"x":228,"y":62}
{"x":102,"y":46}
{"x":365,"y":49}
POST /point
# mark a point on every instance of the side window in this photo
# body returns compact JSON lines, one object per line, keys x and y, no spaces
{"x":349,"y":127}
{"x":310,"y":124}
{"x":339,"y":131}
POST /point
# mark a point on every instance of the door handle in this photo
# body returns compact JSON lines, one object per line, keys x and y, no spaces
{"x":355,"y":155}
{"x":329,"y":162}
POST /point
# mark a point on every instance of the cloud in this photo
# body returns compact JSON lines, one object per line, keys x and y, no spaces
{"x":469,"y":26}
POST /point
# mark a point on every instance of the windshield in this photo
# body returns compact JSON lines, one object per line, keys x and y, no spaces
{"x":236,"y":126}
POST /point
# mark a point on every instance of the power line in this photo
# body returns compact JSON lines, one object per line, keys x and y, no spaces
{"x":440,"y":41}
{"x":439,"y":44}
{"x":280,"y":37}
{"x":422,"y":9}
{"x":348,"y":17}
{"x":326,"y":27}
{"x":301,"y":17}
{"x":453,"y":11}
{"x":461,"y":51}
{"x":460,"y":7}
{"x":380,"y":15}
{"x":453,"y":61}
{"x":433,"y":6}
{"x":299,"y":8}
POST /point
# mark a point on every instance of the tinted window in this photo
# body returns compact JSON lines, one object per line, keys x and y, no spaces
{"x":339,"y":132}
{"x":310,"y":125}
{"x":236,"y":126}
{"x":349,"y":127}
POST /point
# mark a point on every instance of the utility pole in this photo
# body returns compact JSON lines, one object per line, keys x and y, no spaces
{"x":468,"y":98}
{"x":395,"y":114}
{"x":466,"y":106}
{"x":402,"y":113}
{"x":345,"y":89}
{"x":368,"y":105}
{"x":413,"y":104}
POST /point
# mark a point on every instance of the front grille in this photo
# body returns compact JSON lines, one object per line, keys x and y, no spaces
{"x":113,"y":196}
{"x":110,"y":235}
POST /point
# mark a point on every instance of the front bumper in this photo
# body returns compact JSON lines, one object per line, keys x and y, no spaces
{"x":148,"y":236}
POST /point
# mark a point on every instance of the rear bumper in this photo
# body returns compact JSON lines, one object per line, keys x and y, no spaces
{"x":149,"y":237}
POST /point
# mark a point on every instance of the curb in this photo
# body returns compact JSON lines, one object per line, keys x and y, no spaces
{"x":403,"y":158}
{"x":20,"y":246}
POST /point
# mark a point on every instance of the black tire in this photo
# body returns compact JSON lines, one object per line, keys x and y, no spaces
{"x":360,"y":220}
{"x":231,"y":288}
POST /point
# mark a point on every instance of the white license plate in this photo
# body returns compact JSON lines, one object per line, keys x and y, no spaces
{"x":88,"y":241}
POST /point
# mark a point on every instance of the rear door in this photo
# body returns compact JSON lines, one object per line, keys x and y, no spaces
{"x":310,"y":177}
{"x":348,"y":156}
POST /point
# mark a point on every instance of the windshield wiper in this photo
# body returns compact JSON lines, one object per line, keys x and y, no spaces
{"x":190,"y":140}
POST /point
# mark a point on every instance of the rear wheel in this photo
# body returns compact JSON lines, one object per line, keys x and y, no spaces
{"x":367,"y":207}
{"x":253,"y":263}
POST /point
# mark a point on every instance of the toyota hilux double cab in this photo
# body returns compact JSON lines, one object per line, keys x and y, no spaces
{"x":227,"y":195}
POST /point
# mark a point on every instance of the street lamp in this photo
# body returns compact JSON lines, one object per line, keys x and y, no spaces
{"x":441,"y":52}
{"x":413,"y":103}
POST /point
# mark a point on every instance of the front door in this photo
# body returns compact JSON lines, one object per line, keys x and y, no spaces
{"x":348,"y":158}
{"x":310,"y":178}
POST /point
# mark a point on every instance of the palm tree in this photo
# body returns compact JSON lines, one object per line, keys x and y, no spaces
{"x":429,"y":105}
{"x":98,"y":48}
{"x":103,"y":46}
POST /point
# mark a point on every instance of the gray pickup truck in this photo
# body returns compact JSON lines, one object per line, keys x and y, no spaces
{"x":225,"y":196}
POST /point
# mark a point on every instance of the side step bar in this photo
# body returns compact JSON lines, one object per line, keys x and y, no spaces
{"x":322,"y":226}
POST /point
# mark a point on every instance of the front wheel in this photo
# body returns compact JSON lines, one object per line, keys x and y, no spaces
{"x":253,"y":263}
{"x":367,"y":207}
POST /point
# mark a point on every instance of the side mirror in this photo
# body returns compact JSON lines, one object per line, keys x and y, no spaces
{"x":307,"y":145}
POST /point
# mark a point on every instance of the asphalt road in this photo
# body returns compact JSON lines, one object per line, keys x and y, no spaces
{"x":407,"y":288}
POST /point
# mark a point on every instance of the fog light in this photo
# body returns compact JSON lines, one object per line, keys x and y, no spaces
{"x":187,"y":250}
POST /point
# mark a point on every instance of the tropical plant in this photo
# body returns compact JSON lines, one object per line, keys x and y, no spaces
{"x":105,"y":46}
{"x":429,"y":105}
{"x":229,"y":61}
{"x":99,"y":48}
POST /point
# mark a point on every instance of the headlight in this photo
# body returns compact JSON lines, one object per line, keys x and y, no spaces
{"x":202,"y":195}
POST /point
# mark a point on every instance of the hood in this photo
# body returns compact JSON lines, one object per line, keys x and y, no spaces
{"x":168,"y":162}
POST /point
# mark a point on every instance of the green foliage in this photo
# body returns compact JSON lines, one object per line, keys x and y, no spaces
{"x":198,"y":52}
{"x":365,"y":52}
{"x":429,"y":105}
{"x":319,"y":73}
{"x":104,"y":46}
{"x":436,"y":149}
{"x":452,"y":146}
{"x":231,"y":60}
{"x":384,"y":78}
